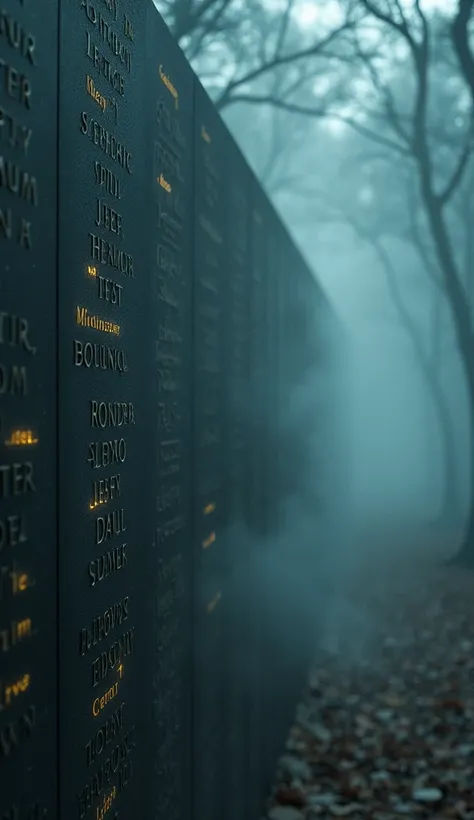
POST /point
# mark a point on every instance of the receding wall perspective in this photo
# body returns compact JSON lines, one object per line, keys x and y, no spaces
{"x":155,"y":317}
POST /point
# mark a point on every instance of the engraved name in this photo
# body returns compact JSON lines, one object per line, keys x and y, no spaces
{"x":83,"y":319}
{"x":98,"y":704}
{"x":108,"y":36}
{"x":106,"y":179}
{"x":107,"y":564}
{"x":114,"y":764}
{"x":105,"y":453}
{"x":109,"y":291}
{"x":104,"y":735}
{"x":106,"y":141}
{"x":110,"y":659}
{"x":109,"y":219}
{"x":105,"y":490}
{"x":95,"y":93}
{"x":103,"y":357}
{"x":102,"y":625}
{"x":108,"y":254}
{"x":108,"y":526}
{"x":111,"y":413}
{"x":105,"y":67}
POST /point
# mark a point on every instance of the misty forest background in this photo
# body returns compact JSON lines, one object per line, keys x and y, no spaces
{"x":358,"y":118}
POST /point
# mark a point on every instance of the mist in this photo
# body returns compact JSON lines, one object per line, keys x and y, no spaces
{"x":357,"y":120}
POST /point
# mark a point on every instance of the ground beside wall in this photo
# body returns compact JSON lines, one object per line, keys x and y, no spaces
{"x":386,"y":729}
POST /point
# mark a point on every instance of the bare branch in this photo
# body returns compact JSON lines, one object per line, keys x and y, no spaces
{"x":458,"y":173}
{"x":400,"y":26}
{"x":320,"y":113}
{"x":277,"y":61}
{"x":460,"y":37}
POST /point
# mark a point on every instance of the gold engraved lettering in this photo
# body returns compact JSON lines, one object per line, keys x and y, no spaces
{"x":209,"y":541}
{"x":15,"y":583}
{"x":108,"y":254}
{"x":95,"y":94}
{"x":164,"y":184}
{"x":16,"y":632}
{"x":17,"y":86}
{"x":20,"y":582}
{"x":106,"y":141}
{"x":11,"y":691}
{"x":85,"y":320}
{"x":96,"y":356}
{"x":98,"y":704}
{"x":169,"y":85}
{"x":111,"y":413}
{"x":117,"y":760}
{"x":209,"y":508}
{"x":18,"y":182}
{"x":107,"y":564}
{"x":22,"y":438}
{"x":106,"y":805}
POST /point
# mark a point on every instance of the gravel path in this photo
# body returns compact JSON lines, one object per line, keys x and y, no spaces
{"x":386,"y":729}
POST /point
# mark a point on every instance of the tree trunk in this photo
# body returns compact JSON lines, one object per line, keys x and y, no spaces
{"x":449,"y":512}
{"x":461,"y":313}
{"x":465,"y":555}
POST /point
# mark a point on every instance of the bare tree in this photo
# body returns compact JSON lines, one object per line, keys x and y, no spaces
{"x":238,"y":46}
{"x":401,"y":114}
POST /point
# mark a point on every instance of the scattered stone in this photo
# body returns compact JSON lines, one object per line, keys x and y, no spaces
{"x":295,"y":767}
{"x":286,"y":796}
{"x":322,"y":799}
{"x":344,"y":810}
{"x":427,"y":795}
{"x":386,"y":731}
{"x":285,"y":813}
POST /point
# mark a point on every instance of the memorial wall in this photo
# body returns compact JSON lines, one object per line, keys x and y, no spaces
{"x":148,"y":301}
{"x":28,"y":422}
{"x":171,"y":111}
